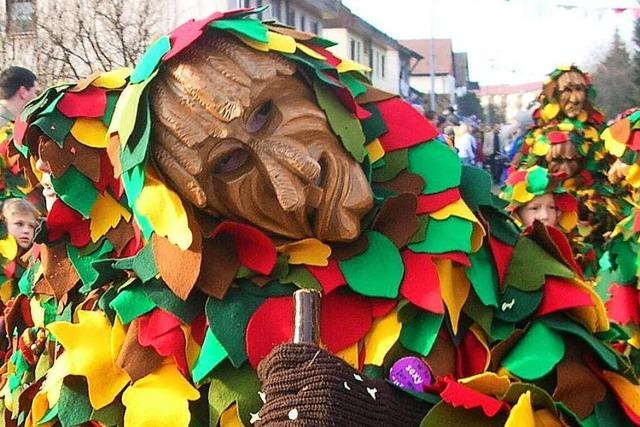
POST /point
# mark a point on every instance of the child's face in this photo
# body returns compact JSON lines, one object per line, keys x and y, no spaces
{"x":22,"y":227}
{"x":543,"y":208}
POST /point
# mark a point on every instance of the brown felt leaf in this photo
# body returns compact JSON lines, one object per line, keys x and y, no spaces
{"x":500,"y":350}
{"x":85,"y":159}
{"x":179,"y":269}
{"x":288,"y":31}
{"x":85,"y":82}
{"x":442,"y":358}
{"x":136,"y":360}
{"x":57,"y":269}
{"x":43,"y":287}
{"x":373,"y":94}
{"x":405,"y":182}
{"x":540,"y":234}
{"x":219,"y":266}
{"x":120,"y":236}
{"x":397,"y":219}
{"x":13,"y":318}
{"x":344,"y":251}
{"x":573,"y":374}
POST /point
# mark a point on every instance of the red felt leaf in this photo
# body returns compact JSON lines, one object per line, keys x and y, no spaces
{"x":420,"y":284}
{"x":330,"y":277}
{"x":501,"y":255}
{"x":557,"y":137}
{"x":634,"y":143}
{"x":636,"y":222}
{"x":561,"y":241}
{"x":587,"y":179}
{"x":623,"y":306}
{"x":331,"y":58}
{"x":64,"y":220}
{"x":10,"y":269}
{"x":406,"y":127}
{"x":19,"y":129}
{"x":134,"y":245}
{"x":107,"y":178}
{"x":161,"y":330}
{"x":270,"y":325}
{"x":91,"y":102}
{"x":255,"y":250}
{"x":472,"y":357}
{"x":199,"y":328}
{"x":429,"y":203}
{"x":345,"y":318}
{"x":381,"y":306}
{"x":559,"y":294}
{"x":457,"y":394}
{"x":347,"y":99}
{"x":566,"y":202}
{"x":516,"y":177}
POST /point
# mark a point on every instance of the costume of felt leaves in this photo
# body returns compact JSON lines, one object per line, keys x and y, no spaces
{"x":183,"y":313}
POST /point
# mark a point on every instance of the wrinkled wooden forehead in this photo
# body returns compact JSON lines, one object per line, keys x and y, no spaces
{"x":217,"y":75}
{"x":573,"y":78}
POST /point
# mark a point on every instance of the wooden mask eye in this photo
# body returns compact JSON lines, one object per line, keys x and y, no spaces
{"x":259,"y":117}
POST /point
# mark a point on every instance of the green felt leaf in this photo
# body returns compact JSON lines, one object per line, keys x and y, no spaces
{"x":110,"y":415}
{"x":228,"y":320}
{"x":150,"y":60}
{"x":475,"y":187}
{"x":142,"y":263}
{"x":526,"y":360}
{"x":530,"y":264}
{"x":211,"y":355}
{"x":448,"y":235}
{"x":420,"y":233}
{"x":562,"y":324}
{"x":479,"y":312}
{"x":321,"y":69}
{"x":50,"y":415}
{"x":483,"y":276}
{"x":74,"y":407}
{"x":539,"y":397}
{"x":373,"y":126}
{"x":135,"y":151}
{"x":394,"y":163}
{"x":55,"y":125}
{"x":445,"y":415}
{"x":25,"y":284}
{"x":624,"y":260}
{"x":162,"y":296}
{"x":437,"y":164}
{"x":537,"y":180}
{"x":342,"y":122}
{"x":104,"y":303}
{"x":131,"y":303}
{"x":75,"y":190}
{"x":378,"y":271}
{"x":609,"y":413}
{"x":83,"y":264}
{"x":51,"y":106}
{"x":501,"y":330}
{"x":515,"y":305}
{"x":569,"y":415}
{"x":271,"y":289}
{"x":500,"y":225}
{"x":250,"y":28}
{"x":355,"y":86}
{"x":228,"y":385}
{"x":133,"y":181}
{"x":112,"y":100}
{"x":302,"y":278}
{"x":420,"y":333}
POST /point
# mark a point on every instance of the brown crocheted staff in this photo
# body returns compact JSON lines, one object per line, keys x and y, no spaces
{"x":307,"y":317}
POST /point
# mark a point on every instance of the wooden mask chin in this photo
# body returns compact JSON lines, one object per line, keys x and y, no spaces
{"x":240,"y":136}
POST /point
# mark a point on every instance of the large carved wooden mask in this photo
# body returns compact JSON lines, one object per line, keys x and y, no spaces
{"x":240,"y":135}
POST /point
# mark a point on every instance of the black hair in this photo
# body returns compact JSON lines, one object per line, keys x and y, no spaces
{"x":12,"y":78}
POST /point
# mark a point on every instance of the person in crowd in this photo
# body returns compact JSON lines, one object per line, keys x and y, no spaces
{"x":18,"y":86}
{"x":466,"y":144}
{"x":21,"y":218}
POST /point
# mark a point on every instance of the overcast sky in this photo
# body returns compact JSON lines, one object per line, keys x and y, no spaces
{"x":508,"y":41}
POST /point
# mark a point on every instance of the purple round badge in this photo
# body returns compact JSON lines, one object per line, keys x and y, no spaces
{"x":410,"y":373}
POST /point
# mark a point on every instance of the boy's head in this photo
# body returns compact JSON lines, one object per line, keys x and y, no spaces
{"x":542,"y":208}
{"x":21,"y":218}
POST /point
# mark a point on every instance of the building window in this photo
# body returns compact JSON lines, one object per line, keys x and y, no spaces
{"x":275,"y":9}
{"x":246,"y":3}
{"x":353,"y":50}
{"x":259,"y":4}
{"x":315,"y":28}
{"x":382,"y":65}
{"x":303,"y":23}
{"x":291,"y":18}
{"x":20,"y":16}
{"x":358,"y":49}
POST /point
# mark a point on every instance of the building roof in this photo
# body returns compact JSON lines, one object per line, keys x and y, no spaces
{"x":509,"y":89}
{"x":443,"y":56}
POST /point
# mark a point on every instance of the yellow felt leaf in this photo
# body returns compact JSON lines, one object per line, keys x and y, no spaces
{"x":6,"y":291}
{"x":521,"y":414}
{"x":307,"y":251}
{"x":37,"y":172}
{"x":192,"y":346}
{"x":520,"y":193}
{"x":633,"y":175}
{"x":87,"y":344}
{"x":105,"y":215}
{"x":124,"y":116}
{"x":349,"y":65}
{"x":582,"y":116}
{"x":37,"y":312}
{"x":381,"y":337}
{"x":9,"y":247}
{"x":477,"y":236}
{"x":540,"y":148}
{"x":90,"y":132}
{"x":277,"y":42}
{"x":165,"y":212}
{"x":626,"y":391}
{"x":488,"y":383}
{"x":375,"y":149}
{"x":159,"y":399}
{"x":458,"y":208}
{"x":53,"y":380}
{"x":566,"y":126}
{"x":310,"y":52}
{"x":546,"y":418}
{"x":112,"y":79}
{"x":635,"y":340}
{"x":612,"y":145}
{"x":230,"y":417}
{"x":454,"y":289}
{"x":550,"y":111}
{"x":568,"y":220}
{"x":591,"y":133}
{"x":350,"y":355}
{"x":39,"y":408}
{"x":593,"y":317}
